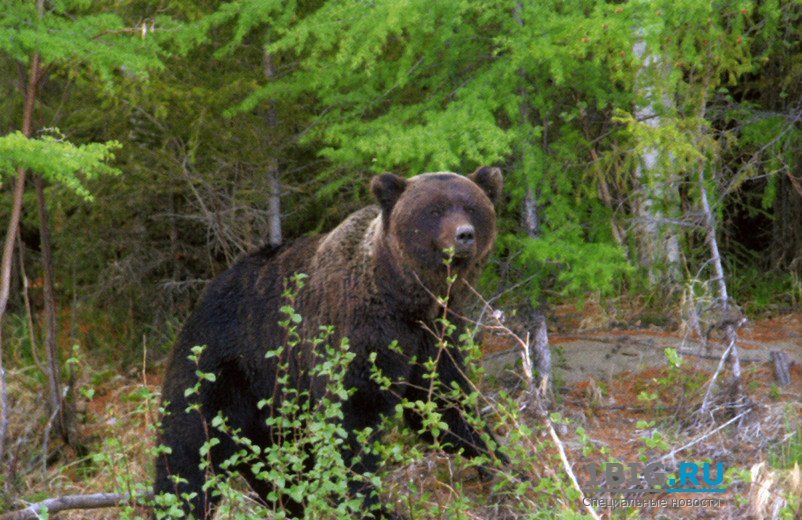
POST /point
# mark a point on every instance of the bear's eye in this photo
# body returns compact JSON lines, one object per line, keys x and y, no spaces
{"x":436,"y":212}
{"x":471,"y":210}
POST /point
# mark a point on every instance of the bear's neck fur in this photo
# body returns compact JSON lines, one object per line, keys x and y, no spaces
{"x":361,"y":253}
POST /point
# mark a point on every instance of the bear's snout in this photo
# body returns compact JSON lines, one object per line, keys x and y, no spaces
{"x":464,"y":240}
{"x":458,"y":234}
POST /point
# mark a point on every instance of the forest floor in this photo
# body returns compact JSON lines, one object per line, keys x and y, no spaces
{"x":617,"y":384}
{"x":613,"y":382}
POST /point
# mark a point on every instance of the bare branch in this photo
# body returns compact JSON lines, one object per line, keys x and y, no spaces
{"x":708,"y":395}
{"x":54,"y":505}
{"x":695,"y":441}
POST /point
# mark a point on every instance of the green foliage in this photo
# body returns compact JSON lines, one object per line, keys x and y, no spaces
{"x":762,"y":292}
{"x":75,"y":34}
{"x":382,"y":75}
{"x":543,"y":101}
{"x":550,"y":90}
{"x":57,"y":160}
{"x":75,"y":41}
{"x":305,"y":462}
{"x":577,"y":266}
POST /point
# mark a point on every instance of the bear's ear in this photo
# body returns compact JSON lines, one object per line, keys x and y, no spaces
{"x":490,"y":180}
{"x":387,"y":188}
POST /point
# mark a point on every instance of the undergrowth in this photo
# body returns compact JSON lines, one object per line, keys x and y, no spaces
{"x":120,"y":416}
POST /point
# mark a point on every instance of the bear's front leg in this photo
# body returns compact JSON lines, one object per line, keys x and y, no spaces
{"x":461,"y":435}
{"x":360,"y":412}
{"x":178,"y":470}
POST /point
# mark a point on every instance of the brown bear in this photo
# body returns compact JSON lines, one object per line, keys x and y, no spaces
{"x":375,"y":278}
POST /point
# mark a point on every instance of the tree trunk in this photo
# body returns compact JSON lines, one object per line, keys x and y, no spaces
{"x":274,"y":204}
{"x":786,"y":240}
{"x":607,"y":200}
{"x":51,"y":347}
{"x":273,"y":180}
{"x":529,"y":218}
{"x":65,"y":423}
{"x":658,"y":244}
{"x":11,"y":234}
{"x":173,"y":234}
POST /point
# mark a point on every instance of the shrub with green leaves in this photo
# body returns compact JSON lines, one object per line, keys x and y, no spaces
{"x":304,"y":464}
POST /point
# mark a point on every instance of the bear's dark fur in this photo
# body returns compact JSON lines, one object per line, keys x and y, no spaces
{"x":374,"y":278}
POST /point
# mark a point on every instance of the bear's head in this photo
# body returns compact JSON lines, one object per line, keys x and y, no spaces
{"x":427,"y":215}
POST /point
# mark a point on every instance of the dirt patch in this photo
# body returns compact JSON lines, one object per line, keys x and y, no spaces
{"x":604,"y":355}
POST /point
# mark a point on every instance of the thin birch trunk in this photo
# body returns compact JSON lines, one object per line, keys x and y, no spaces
{"x":273,"y":180}
{"x":659,"y":248}
{"x":729,"y":325}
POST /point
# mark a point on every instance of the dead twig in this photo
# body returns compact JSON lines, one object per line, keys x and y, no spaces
{"x":709,"y":392}
{"x":695,"y":441}
{"x":27,"y":302}
{"x":45,"y":441}
{"x":689,"y":352}
{"x":525,"y":347}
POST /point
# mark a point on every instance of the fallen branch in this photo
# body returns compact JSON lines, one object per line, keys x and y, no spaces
{"x":54,"y":505}
{"x":697,"y":440}
{"x":709,"y":394}
{"x":689,"y":352}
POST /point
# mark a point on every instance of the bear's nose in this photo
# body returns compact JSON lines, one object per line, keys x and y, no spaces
{"x":465,"y":236}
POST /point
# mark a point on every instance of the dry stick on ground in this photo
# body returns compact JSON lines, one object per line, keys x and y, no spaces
{"x":781,"y":367}
{"x":54,"y":505}
{"x":695,"y":441}
{"x":688,"y":352}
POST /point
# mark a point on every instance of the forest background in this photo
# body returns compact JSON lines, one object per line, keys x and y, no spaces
{"x":145,"y":145}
